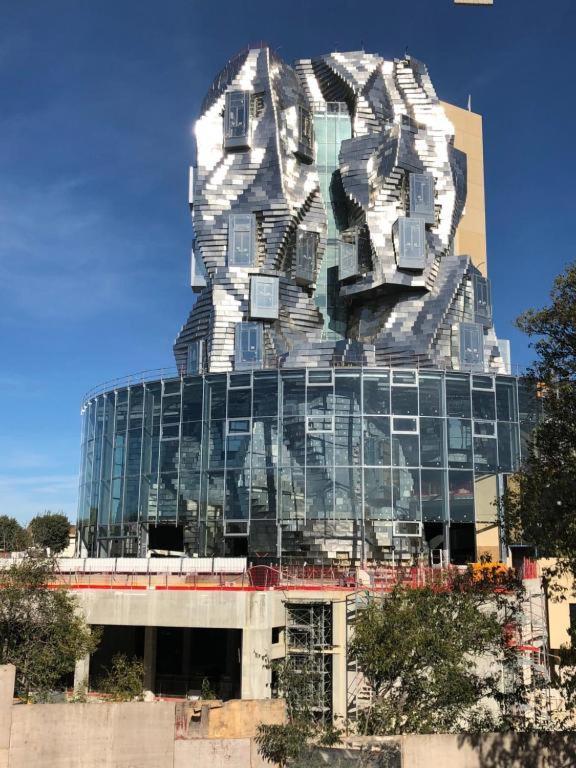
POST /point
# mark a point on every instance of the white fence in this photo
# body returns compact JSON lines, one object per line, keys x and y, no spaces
{"x":145,"y":564}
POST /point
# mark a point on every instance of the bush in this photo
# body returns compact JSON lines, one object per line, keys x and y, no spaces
{"x":124,"y":680}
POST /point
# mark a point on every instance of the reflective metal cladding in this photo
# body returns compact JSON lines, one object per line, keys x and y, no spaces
{"x":339,"y":178}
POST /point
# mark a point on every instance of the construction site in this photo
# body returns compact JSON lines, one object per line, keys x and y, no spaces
{"x":216,"y":624}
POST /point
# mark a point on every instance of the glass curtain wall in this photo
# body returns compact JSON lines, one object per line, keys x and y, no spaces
{"x":266,"y":456}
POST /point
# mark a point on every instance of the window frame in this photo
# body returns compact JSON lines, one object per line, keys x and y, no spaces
{"x":236,"y":228}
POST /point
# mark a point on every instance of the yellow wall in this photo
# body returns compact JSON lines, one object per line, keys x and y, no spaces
{"x":470,"y":237}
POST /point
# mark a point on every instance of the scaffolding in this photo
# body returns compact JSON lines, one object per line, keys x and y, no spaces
{"x":309,"y":649}
{"x":359,"y":694}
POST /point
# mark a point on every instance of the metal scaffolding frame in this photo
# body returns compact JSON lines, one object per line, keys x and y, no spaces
{"x":309,"y":649}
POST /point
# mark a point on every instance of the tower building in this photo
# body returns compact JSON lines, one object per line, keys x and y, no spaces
{"x":340,"y":392}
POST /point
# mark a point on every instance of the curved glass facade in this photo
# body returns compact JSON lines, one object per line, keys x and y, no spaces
{"x":312,"y":463}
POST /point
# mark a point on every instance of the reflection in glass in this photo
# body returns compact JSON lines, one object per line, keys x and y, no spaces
{"x":377,"y":393}
{"x":461,"y":495}
{"x":483,"y":405}
{"x":458,"y":395}
{"x":405,"y":401}
{"x":459,"y":443}
{"x":431,"y":395}
{"x":406,"y":494}
{"x":377,"y":494}
{"x":377,"y":448}
{"x":433,"y":495}
{"x":432,"y":442}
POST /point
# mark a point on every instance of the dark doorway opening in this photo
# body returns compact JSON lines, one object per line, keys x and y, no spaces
{"x":166,"y":538}
{"x":237,"y":546}
{"x":181,"y":660}
{"x":462,"y":543}
{"x":435,"y":542}
{"x":115,"y":639}
{"x":188,"y":658}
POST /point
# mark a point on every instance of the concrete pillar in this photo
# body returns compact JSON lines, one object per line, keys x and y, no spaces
{"x":339,"y":667}
{"x":82,"y":673}
{"x":256,"y":649}
{"x":150,"y":644}
{"x":7,"y":678}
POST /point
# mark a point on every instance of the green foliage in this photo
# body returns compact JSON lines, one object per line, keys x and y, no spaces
{"x":539,"y":507}
{"x":40,"y":631}
{"x":206,"y":692}
{"x":50,"y":531}
{"x":124,"y":680}
{"x":433,"y":658}
{"x":283,"y":744}
{"x":293,"y":743}
{"x":13,"y":538}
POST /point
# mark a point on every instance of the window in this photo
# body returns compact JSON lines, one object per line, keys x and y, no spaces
{"x":485,"y":429}
{"x":248,"y":346}
{"x":482,"y":300}
{"x":305,"y":135}
{"x":239,"y":426}
{"x":241,"y":240}
{"x":306,"y":247}
{"x":411,"y":244}
{"x":264,"y":297}
{"x":471,"y":346}
{"x":407,"y":528}
{"x":422,"y":197}
{"x":320,"y":424}
{"x":348,"y":260}
{"x":194,"y":358}
{"x":318,"y":378}
{"x":197,"y":271}
{"x":402,"y":424}
{"x":237,"y":120}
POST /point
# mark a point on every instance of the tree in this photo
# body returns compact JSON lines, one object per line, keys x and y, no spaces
{"x":293,"y":742}
{"x":41,"y":632}
{"x":13,"y":538}
{"x":124,"y":680}
{"x":434,"y":659}
{"x":50,"y":531}
{"x":538,"y":506}
{"x":433,"y":656}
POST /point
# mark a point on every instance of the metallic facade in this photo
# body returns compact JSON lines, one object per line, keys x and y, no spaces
{"x":338,"y":177}
{"x":340,"y":389}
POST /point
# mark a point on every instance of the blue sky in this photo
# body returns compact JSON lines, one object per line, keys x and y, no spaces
{"x":98,"y":101}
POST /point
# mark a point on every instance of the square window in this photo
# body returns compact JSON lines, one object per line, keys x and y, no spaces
{"x":485,"y":428}
{"x":241,"y":240}
{"x":264,"y":297}
{"x":348,"y":260}
{"x":320,"y":424}
{"x":248,"y":346}
{"x":411,"y":244}
{"x":237,"y":120}
{"x":305,"y":149}
{"x":194,"y":359}
{"x":471,"y":346}
{"x":422,"y":197}
{"x":238,"y":426}
{"x":320,"y":377}
{"x":482,"y":300}
{"x":306,"y":248}
{"x":197,"y":271}
{"x":404,"y":424}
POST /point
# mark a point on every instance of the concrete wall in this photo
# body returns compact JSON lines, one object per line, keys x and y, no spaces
{"x":151,"y":735}
{"x":92,"y":735}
